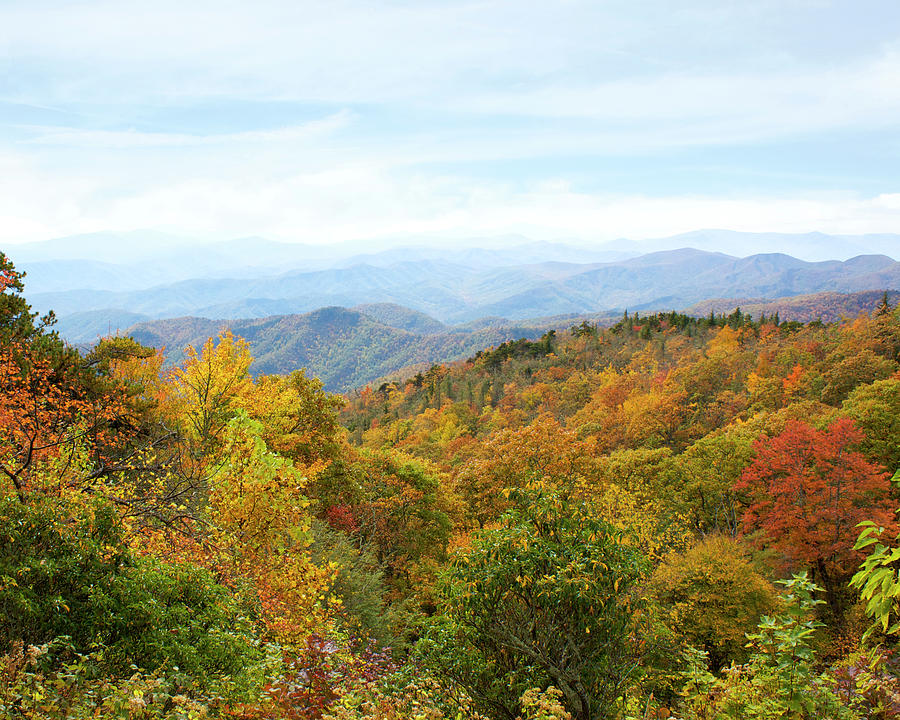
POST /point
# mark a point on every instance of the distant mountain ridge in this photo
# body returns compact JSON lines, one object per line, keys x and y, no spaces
{"x":344,"y":348}
{"x":453,"y":293}
{"x":138,"y":260}
{"x":348,"y":348}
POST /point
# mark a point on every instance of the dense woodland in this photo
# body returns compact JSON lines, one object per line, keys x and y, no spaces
{"x":670,"y":518}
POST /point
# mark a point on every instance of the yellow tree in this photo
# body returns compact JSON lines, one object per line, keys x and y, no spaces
{"x":299,"y":419}
{"x":207,"y":389}
{"x":259,"y":530}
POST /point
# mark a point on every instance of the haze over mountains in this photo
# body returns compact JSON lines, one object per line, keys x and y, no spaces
{"x":514,"y":283}
{"x":351,"y":315}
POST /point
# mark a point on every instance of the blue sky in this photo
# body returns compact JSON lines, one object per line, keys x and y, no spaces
{"x":341,"y":120}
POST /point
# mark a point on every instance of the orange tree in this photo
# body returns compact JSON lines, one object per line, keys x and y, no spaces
{"x":60,"y":418}
{"x":809,"y":489}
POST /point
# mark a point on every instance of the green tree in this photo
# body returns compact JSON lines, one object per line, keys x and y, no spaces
{"x":876,"y":410}
{"x":65,"y":572}
{"x":550,"y":597}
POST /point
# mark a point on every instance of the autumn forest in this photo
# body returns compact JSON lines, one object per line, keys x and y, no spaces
{"x":674,"y":516}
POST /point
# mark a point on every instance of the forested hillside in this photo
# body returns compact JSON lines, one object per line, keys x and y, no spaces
{"x":343,"y":348}
{"x":660,"y":519}
{"x":826,"y":306}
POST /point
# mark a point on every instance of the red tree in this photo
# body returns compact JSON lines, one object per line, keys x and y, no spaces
{"x":808,"y":490}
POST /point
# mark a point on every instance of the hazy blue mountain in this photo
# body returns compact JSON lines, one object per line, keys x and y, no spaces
{"x":56,"y":275}
{"x":453,"y":293}
{"x":88,"y":327}
{"x":813,"y":246}
{"x":141,"y":260}
{"x":525,"y":253}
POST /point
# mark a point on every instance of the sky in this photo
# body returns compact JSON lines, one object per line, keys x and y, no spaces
{"x":331,"y":121}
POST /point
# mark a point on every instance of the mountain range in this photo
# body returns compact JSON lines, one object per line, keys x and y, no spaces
{"x":348,"y":348}
{"x":353,"y":313}
{"x":458,"y":293}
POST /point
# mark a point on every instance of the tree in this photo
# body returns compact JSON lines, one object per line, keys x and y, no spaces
{"x":258,"y":524}
{"x":299,"y":418}
{"x":16,"y":318}
{"x":402,"y":511}
{"x":860,"y":367}
{"x":209,"y":387}
{"x":541,"y":451}
{"x":876,"y":410}
{"x":808,"y":491}
{"x":710,"y":468}
{"x":715,"y":595}
{"x":54,"y":408}
{"x":67,"y":572}
{"x":549,"y":597}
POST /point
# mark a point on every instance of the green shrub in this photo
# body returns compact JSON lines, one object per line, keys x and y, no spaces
{"x":65,"y":571}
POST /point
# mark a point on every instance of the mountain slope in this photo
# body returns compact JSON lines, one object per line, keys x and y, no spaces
{"x":827,"y":306}
{"x":89,"y":326}
{"x":343,"y":348}
{"x":402,"y":318}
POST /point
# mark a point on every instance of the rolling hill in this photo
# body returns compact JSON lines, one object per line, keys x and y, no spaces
{"x":827,"y":306}
{"x":343,"y":348}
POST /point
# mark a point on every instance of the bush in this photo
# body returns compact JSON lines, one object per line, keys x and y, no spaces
{"x":65,"y":571}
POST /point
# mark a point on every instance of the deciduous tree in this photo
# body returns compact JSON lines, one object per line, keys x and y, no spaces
{"x":808,"y":490}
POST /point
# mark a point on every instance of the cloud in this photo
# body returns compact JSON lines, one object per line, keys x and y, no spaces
{"x":344,"y":119}
{"x":365,"y":200}
{"x":119,"y":139}
{"x":712,"y":107}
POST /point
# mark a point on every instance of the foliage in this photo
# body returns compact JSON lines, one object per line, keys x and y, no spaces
{"x":548,"y":597}
{"x":77,"y":686}
{"x":59,"y":567}
{"x":198,"y":539}
{"x":875,"y":409}
{"x":715,"y":596}
{"x":711,"y":467}
{"x":778,"y":680}
{"x":406,"y":694}
{"x":809,"y":489}
{"x":67,"y":572}
{"x":543,"y":705}
{"x":258,"y":530}
{"x":542,"y":451}
{"x":359,"y":583}
{"x":878,"y":578}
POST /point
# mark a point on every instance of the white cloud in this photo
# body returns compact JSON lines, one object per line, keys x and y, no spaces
{"x":119,"y":139}
{"x":431,"y":83}
{"x":712,"y":107}
{"x":365,"y":200}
